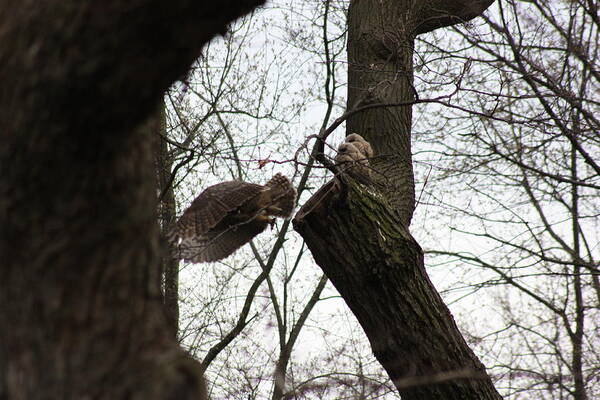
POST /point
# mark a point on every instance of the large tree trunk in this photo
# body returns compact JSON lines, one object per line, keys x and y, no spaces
{"x":359,"y":234}
{"x":81,"y":310}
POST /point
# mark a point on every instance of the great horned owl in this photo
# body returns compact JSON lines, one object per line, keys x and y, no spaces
{"x":353,"y":161}
{"x":228,"y":215}
{"x":361,"y":144}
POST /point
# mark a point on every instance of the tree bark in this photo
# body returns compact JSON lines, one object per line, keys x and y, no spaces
{"x":380,"y":71}
{"x":359,"y":234}
{"x":81,"y":309}
{"x":380,"y":68}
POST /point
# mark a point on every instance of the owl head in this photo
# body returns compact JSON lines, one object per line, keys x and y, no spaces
{"x":283,"y":194}
{"x":361,"y":144}
{"x":348,"y":152}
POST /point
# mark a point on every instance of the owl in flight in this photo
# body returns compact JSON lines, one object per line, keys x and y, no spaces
{"x":228,"y":215}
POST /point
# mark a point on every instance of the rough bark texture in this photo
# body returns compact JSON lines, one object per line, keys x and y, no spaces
{"x":81,"y":310}
{"x":376,"y":265}
{"x":380,"y":71}
{"x":360,"y":236}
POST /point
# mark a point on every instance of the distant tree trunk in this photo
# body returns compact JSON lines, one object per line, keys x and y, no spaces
{"x":361,"y":239}
{"x":81,"y":313}
{"x":166,"y":215}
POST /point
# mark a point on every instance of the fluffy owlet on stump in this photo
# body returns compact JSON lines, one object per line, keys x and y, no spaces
{"x":353,"y":162}
{"x":228,"y":215}
{"x":361,"y":144}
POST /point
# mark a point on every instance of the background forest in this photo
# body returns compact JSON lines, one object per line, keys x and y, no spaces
{"x":505,"y":148}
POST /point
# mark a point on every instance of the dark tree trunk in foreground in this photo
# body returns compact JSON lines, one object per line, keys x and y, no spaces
{"x":359,"y":234}
{"x":81,"y":313}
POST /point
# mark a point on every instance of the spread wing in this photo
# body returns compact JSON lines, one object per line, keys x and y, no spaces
{"x":216,"y":245}
{"x":211,"y":207}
